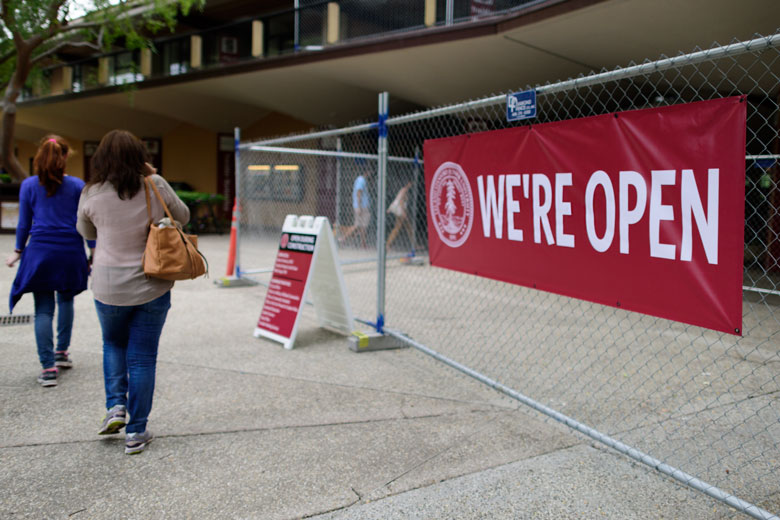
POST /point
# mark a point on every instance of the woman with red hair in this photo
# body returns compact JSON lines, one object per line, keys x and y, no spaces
{"x":53,"y":259}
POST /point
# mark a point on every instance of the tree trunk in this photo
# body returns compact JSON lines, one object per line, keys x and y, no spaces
{"x":8,"y":160}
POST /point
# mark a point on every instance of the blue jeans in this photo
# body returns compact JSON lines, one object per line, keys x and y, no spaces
{"x":44,"y":318}
{"x":130,"y":338}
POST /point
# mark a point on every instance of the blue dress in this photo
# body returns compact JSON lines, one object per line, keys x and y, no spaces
{"x":54,"y":258}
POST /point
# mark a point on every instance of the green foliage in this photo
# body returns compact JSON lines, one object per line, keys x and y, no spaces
{"x":37,"y":80}
{"x":112,"y":19}
{"x":194,"y":197}
{"x":31,"y":17}
{"x":5,"y":178}
{"x":107,"y":23}
{"x":6,"y":48}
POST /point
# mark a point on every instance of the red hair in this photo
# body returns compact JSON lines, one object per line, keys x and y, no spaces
{"x":49,"y":162}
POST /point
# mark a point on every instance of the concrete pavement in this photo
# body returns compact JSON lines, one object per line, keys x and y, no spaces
{"x":246,"y":429}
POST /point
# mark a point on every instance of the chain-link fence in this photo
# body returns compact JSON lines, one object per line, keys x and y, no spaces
{"x":699,"y":406}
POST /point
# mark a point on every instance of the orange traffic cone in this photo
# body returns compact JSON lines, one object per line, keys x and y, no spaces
{"x":231,"y":263}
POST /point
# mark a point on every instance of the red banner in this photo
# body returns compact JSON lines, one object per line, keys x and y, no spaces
{"x":642,"y":210}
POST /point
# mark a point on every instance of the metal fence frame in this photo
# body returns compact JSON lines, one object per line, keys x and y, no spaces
{"x":382,"y":126}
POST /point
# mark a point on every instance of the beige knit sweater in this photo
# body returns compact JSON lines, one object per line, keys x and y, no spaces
{"x":120,"y":228}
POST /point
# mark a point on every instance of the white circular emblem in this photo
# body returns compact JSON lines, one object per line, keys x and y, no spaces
{"x":451,"y":204}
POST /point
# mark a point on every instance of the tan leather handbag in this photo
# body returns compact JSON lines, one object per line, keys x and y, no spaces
{"x":170,"y":253}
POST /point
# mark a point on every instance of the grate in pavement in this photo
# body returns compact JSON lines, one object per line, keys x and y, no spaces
{"x":15,"y":319}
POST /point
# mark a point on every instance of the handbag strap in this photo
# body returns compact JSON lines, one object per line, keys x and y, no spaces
{"x":148,"y":205}
{"x":156,"y":192}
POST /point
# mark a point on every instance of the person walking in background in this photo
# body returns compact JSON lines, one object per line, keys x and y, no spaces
{"x":399,"y":208}
{"x":361,"y":207}
{"x":53,"y":262}
{"x":131,"y":307}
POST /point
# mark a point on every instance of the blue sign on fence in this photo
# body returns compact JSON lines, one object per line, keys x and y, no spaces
{"x":521,"y":105}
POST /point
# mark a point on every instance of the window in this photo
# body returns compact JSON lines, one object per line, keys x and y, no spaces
{"x":175,"y":57}
{"x":125,"y":68}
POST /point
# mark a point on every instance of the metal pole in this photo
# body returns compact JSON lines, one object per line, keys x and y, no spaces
{"x":415,"y":187}
{"x":237,"y":182}
{"x":297,"y":29}
{"x":324,"y":153}
{"x":316,"y":135}
{"x":338,"y":186}
{"x":381,"y":183}
{"x":449,"y":17}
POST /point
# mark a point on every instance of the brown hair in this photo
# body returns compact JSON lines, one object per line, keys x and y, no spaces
{"x":119,"y":159}
{"x":49,"y":162}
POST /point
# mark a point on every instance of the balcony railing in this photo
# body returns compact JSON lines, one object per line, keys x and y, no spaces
{"x":312,"y":25}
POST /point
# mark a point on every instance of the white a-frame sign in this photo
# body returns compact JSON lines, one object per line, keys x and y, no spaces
{"x":306,"y":266}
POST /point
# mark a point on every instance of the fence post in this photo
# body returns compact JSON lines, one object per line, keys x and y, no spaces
{"x":297,"y":28}
{"x":237,"y":202}
{"x":416,"y":188}
{"x":337,"y":219}
{"x":381,"y":182}
{"x":449,"y":16}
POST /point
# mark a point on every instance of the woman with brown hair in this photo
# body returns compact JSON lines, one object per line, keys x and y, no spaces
{"x":53,"y":260}
{"x":131,"y":307}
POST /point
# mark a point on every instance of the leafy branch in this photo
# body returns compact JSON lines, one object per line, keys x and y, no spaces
{"x":33,"y":32}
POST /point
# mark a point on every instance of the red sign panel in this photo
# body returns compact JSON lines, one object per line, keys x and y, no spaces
{"x":642,"y":210}
{"x":285,"y":292}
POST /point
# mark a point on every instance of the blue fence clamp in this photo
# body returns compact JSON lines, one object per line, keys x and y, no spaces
{"x":238,"y":271}
{"x":379,"y":325}
{"x":382,"y":125}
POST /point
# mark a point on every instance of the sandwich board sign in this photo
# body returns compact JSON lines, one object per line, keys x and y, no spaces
{"x":306,"y":267}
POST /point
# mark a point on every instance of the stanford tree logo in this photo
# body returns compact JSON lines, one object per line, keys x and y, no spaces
{"x":451,"y":204}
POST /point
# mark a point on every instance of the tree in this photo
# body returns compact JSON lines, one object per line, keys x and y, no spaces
{"x":32,"y":32}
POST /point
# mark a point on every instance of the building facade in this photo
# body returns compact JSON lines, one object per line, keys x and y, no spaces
{"x":282,"y":66}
